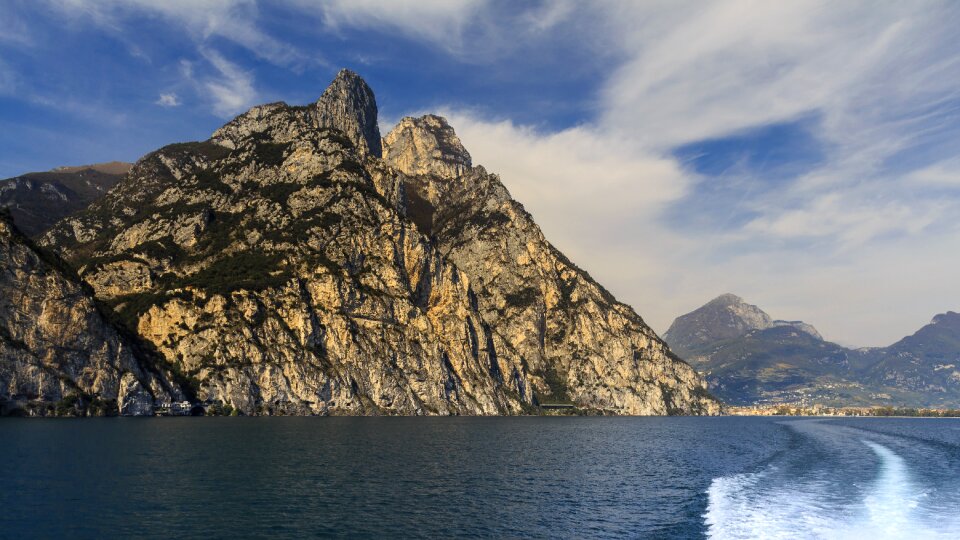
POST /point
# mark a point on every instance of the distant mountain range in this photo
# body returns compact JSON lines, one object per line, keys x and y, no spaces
{"x":38,"y":200}
{"x":749,"y":358}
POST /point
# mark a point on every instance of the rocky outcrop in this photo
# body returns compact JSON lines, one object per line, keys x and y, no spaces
{"x":801,"y":326}
{"x":285,"y":268}
{"x":348,"y":105}
{"x":58,"y":354}
{"x":426,"y":146}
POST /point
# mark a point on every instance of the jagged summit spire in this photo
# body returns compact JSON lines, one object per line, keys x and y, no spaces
{"x":349,"y":105}
{"x":426,"y":145}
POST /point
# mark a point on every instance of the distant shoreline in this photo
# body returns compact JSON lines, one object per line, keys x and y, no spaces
{"x":833,"y":412}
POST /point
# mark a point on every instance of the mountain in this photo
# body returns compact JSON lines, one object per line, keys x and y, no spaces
{"x":58,"y":353}
{"x":927,"y":363}
{"x":297,"y":263}
{"x":725,"y":317}
{"x":38,"y":200}
{"x":748,"y":358}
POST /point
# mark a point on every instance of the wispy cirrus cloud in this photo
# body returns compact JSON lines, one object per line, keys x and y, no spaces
{"x":879,"y":80}
{"x":801,"y":154}
{"x":231,"y":89}
{"x":235,"y":21}
{"x":440,"y":22}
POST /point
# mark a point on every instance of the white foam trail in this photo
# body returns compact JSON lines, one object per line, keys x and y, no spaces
{"x":893,"y":498}
{"x":767,"y":505}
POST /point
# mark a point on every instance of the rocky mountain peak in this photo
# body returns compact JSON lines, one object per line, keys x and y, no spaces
{"x":801,"y":326}
{"x":725,"y":317}
{"x":740,"y":313}
{"x":283,"y":271}
{"x":349,"y":105}
{"x":949,"y":318}
{"x":426,"y":145}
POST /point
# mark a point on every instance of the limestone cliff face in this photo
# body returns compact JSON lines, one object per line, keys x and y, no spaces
{"x":58,"y":354}
{"x":286,"y":268}
{"x":426,"y":146}
{"x":578,"y":343}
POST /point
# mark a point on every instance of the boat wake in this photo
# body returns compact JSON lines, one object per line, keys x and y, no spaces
{"x":809,"y":496}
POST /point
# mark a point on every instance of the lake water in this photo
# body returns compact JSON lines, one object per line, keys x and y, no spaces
{"x":562,"y":477}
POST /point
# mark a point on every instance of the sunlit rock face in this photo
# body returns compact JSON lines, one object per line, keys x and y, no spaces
{"x":58,"y":354}
{"x":297,"y":263}
{"x":578,"y":343}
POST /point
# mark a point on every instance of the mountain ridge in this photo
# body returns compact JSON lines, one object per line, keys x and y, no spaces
{"x":768,"y":364}
{"x":284,"y":267}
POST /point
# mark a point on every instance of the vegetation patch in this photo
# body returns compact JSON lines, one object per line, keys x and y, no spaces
{"x":250,"y":270}
{"x":270,"y":154}
{"x":212,"y":180}
{"x":559,"y":393}
{"x":523,"y":298}
{"x":279,"y":192}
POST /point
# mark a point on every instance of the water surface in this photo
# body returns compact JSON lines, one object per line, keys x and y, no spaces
{"x":481,"y":477}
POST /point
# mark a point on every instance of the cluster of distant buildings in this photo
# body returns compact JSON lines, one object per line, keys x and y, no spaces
{"x":176,"y":408}
{"x":785,"y":409}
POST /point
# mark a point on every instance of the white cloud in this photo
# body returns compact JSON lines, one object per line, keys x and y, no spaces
{"x":232,"y":91}
{"x":941,"y":174}
{"x":15,"y":30}
{"x":474,"y":31}
{"x":233,"y":20}
{"x":853,"y":246}
{"x":440,"y":22}
{"x":578,"y":171}
{"x":168,"y":100}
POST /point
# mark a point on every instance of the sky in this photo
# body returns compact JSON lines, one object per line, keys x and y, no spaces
{"x":803,"y":155}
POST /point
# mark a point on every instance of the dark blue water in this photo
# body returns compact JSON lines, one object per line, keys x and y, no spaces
{"x":480,"y":477}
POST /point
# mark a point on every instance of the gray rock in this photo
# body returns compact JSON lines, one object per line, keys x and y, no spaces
{"x":133,"y":399}
{"x":348,"y":105}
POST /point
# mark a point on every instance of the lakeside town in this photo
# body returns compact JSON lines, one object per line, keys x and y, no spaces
{"x":820,"y":410}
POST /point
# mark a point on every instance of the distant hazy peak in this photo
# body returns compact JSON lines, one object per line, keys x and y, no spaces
{"x":751,"y":316}
{"x":725,"y":317}
{"x":426,"y":145}
{"x":349,"y":105}
{"x":726,"y":299}
{"x":112,"y":167}
{"x":802,"y":326}
{"x":950,"y":317}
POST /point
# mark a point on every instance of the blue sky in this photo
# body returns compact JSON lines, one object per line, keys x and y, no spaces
{"x":804,"y":155}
